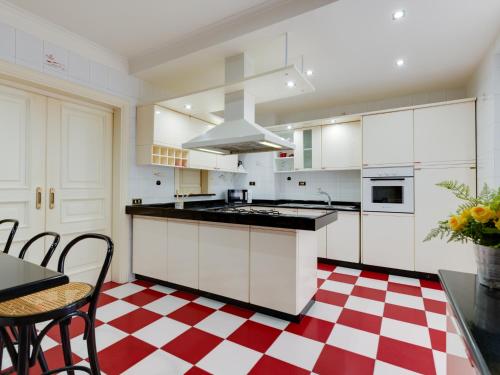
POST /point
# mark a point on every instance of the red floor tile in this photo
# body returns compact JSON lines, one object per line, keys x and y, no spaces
{"x":55,"y":359}
{"x":104,"y":299}
{"x":437,"y":307}
{"x":431,"y":284}
{"x":326,"y":267}
{"x":334,"y":361}
{"x":269,"y":365}
{"x":135,"y":320}
{"x":144,"y":297}
{"x":192,"y":345}
{"x":375,"y":275}
{"x":255,"y":336}
{"x":109,"y":285}
{"x":333,"y":298}
{"x":438,"y":339}
{"x":144,"y":283}
{"x":319,"y":283}
{"x":404,"y":289}
{"x":312,"y":328}
{"x":370,"y":293}
{"x":184,"y":295}
{"x":405,"y":314}
{"x":76,"y":328}
{"x":191,"y":314}
{"x":412,"y":357}
{"x":359,"y":320}
{"x":239,"y":311}
{"x":122,"y":355}
{"x":349,"y":279}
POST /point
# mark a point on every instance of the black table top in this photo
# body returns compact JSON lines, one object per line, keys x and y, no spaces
{"x":19,"y":277}
{"x":477,"y":310}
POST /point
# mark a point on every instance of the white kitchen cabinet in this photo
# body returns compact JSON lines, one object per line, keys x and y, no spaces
{"x":433,"y":204}
{"x":342,"y":237}
{"x":224,"y":260}
{"x":445,"y":134}
{"x":341,"y":146}
{"x":227,"y":163}
{"x":182,"y":264}
{"x":388,"y":139}
{"x":388,"y":240}
{"x":202,"y":160}
{"x":149,"y":237}
{"x":307,"y":148}
{"x":320,"y":233}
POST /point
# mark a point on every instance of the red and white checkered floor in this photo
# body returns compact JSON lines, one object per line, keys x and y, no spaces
{"x":362,"y":323}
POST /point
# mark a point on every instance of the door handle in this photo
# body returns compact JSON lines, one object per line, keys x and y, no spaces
{"x":38,"y":198}
{"x":52,"y":197}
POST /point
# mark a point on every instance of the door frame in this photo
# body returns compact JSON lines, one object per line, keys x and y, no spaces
{"x":23,"y":78}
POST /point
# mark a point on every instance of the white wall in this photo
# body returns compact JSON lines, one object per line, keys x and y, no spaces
{"x":485,"y":85}
{"x":261,"y":171}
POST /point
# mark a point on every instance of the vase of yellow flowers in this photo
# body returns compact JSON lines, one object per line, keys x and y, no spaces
{"x":477,"y":220}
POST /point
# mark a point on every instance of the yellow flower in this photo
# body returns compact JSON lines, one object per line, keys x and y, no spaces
{"x":465,"y":214}
{"x":457,"y":223}
{"x":482,"y":214}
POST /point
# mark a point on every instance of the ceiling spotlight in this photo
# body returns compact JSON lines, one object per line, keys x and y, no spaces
{"x":187,"y":106}
{"x":290,"y":84}
{"x":398,"y":14}
{"x":332,"y":121}
{"x":400,"y":62}
{"x":289,"y":127}
{"x":309,"y":72}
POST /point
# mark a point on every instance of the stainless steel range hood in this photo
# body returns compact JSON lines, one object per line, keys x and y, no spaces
{"x":238,"y":134}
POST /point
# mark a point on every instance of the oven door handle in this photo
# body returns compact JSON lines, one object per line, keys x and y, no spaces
{"x":387,"y":179}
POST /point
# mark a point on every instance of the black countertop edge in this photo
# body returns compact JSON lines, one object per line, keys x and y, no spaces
{"x":198,"y":214}
{"x":470,"y":341}
{"x":195,"y":195}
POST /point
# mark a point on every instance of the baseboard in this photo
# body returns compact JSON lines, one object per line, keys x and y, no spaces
{"x":392,"y":271}
{"x":245,"y":305}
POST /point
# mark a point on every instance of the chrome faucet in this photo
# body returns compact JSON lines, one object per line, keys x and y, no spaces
{"x":321,"y":192}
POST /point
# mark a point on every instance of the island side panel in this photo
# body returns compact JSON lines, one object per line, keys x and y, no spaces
{"x":183,"y":243}
{"x":307,"y":267}
{"x":224,"y":259}
{"x":273,"y":256}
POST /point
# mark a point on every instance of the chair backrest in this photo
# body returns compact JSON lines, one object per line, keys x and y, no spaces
{"x":15,"y":224}
{"x":104,"y":269}
{"x":49,"y":253}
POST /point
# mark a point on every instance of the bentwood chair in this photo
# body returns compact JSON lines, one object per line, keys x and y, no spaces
{"x":58,"y":306}
{"x":3,"y":332}
{"x":12,"y":233}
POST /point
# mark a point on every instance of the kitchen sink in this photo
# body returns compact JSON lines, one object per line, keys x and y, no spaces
{"x":323,"y":206}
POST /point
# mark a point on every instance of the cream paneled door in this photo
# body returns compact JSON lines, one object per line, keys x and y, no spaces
{"x":22,"y":165}
{"x":79,"y":175}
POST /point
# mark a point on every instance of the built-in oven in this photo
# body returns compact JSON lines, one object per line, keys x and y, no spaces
{"x":388,"y":189}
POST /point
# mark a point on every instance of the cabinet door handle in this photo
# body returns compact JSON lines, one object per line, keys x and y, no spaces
{"x":38,"y":198}
{"x":52,"y":198}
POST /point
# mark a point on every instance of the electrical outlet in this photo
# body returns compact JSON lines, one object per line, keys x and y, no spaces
{"x":252,"y":183}
{"x":302,"y":183}
{"x":137,"y":201}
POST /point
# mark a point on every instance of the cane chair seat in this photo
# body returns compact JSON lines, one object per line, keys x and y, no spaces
{"x":45,"y":301}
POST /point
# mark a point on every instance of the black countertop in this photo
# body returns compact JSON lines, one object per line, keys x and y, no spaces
{"x":477,"y":310}
{"x":197,"y":211}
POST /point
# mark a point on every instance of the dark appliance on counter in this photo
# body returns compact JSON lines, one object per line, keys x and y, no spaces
{"x":237,"y":196}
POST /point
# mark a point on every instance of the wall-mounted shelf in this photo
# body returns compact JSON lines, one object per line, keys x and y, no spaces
{"x":169,"y":156}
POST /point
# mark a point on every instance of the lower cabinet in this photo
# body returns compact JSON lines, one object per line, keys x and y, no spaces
{"x":150,"y":247}
{"x":224,"y":260}
{"x":342,"y":238}
{"x":388,"y":240}
{"x":182,"y":252}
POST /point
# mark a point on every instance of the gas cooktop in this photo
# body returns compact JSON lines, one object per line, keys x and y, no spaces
{"x":246,"y":210}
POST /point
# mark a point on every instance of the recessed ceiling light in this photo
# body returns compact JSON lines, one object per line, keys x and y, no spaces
{"x":289,"y":127}
{"x":290,"y":84}
{"x":309,"y":72}
{"x":398,"y":14}
{"x":400,"y":62}
{"x":187,"y":106}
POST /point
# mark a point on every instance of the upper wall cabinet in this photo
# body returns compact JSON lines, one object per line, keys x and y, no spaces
{"x":445,"y":134}
{"x":341,"y":146}
{"x":307,"y":148}
{"x":388,"y":139}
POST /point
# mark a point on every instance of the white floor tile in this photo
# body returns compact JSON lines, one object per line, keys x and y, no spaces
{"x":455,"y":345}
{"x":161,"y":331}
{"x":106,"y":335}
{"x":323,"y":274}
{"x":6,"y":362}
{"x":354,"y":340}
{"x":434,"y":294}
{"x":347,"y":271}
{"x":407,"y":332}
{"x":405,"y":300}
{"x":436,"y":321}
{"x":159,"y":363}
{"x":209,"y":302}
{"x":336,"y":286}
{"x":48,"y":343}
{"x":383,"y":368}
{"x":365,"y":305}
{"x":229,"y":358}
{"x":297,"y":350}
{"x":324,"y":311}
{"x":165,"y":305}
{"x":269,"y":321}
{"x":163,"y":289}
{"x":124,"y":290}
{"x":404,"y":280}
{"x":372,"y":283}
{"x":114,"y":310}
{"x":439,"y":362}
{"x":220,"y":324}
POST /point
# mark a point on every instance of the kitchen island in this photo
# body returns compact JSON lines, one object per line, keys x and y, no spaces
{"x":259,"y":257}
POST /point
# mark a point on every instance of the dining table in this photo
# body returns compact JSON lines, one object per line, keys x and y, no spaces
{"x":19,"y":278}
